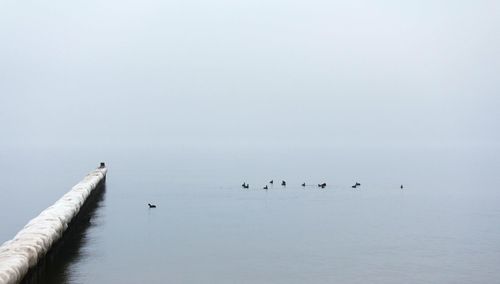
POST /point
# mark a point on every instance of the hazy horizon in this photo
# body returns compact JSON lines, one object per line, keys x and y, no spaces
{"x":250,"y":73}
{"x":186,"y":100}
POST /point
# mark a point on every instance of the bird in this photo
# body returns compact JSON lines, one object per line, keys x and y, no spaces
{"x":323,"y":185}
{"x":401,"y":186}
{"x":151,"y":205}
{"x":243,"y":185}
{"x":354,"y":186}
{"x":271,"y":182}
{"x":265,"y":187}
{"x":358,"y":184}
{"x":246,"y":186}
{"x":304,"y":184}
{"x":283,"y":183}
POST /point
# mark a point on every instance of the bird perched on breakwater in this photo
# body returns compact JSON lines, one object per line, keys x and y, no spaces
{"x":151,"y":205}
{"x":283,"y":183}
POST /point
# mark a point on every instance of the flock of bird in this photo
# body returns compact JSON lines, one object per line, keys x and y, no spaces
{"x":283,"y":183}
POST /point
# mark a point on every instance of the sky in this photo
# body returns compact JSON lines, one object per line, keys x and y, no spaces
{"x":249,"y":73}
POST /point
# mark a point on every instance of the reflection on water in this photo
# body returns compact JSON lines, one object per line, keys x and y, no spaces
{"x":54,"y":268}
{"x":220,"y":233}
{"x":442,"y":228}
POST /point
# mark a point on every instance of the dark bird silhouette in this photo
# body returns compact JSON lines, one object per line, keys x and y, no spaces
{"x":358,"y":184}
{"x":271,"y":182}
{"x":304,"y":184}
{"x":354,"y":186}
{"x":283,"y":183}
{"x":323,"y":185}
{"x":265,"y":187}
{"x":243,"y":185}
{"x":401,"y":186}
{"x":151,"y":205}
{"x":246,"y":186}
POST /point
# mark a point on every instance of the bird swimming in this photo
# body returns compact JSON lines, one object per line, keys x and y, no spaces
{"x":151,"y":205}
{"x":283,"y":183}
{"x":265,"y":187}
{"x":271,"y":182}
{"x":304,"y":184}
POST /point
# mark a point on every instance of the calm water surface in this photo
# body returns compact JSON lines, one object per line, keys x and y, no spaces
{"x":207,"y":229}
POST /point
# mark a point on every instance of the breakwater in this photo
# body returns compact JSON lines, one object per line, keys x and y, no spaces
{"x":19,"y":255}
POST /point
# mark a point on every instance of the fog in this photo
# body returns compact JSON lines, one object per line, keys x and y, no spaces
{"x":186,"y":99}
{"x":359,"y":76}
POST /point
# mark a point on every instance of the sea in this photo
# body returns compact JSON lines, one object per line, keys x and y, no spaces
{"x":442,"y":227}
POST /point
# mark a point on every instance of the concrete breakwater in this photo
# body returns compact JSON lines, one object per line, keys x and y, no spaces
{"x":33,"y":242}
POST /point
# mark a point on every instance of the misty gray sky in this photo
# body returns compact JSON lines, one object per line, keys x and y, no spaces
{"x":229,"y":72}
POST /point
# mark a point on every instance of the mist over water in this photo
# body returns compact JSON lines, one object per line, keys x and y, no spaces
{"x":186,"y":100}
{"x":441,"y":227}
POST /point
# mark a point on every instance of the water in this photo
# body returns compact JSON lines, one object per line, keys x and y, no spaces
{"x":442,"y":228}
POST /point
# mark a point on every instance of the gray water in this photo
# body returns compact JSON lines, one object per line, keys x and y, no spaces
{"x":186,"y":100}
{"x":442,"y":228}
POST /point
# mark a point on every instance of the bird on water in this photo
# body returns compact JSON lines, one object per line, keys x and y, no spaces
{"x":304,"y":184}
{"x":271,"y":182}
{"x":151,"y":205}
{"x":401,"y":186}
{"x":283,"y":183}
{"x":265,"y":187}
